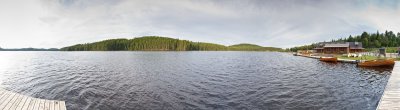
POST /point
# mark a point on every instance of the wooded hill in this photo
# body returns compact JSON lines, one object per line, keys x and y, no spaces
{"x":251,"y":47}
{"x":368,"y":40}
{"x":156,"y":43}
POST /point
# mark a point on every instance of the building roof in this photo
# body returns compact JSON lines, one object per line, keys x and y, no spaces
{"x":337,"y":45}
{"x":351,"y":45}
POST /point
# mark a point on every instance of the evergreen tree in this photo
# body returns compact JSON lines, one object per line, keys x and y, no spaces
{"x":373,"y":40}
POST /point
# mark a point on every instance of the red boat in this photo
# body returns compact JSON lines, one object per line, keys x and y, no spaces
{"x":376,"y":63}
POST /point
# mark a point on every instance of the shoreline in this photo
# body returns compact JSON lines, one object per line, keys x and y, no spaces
{"x":339,"y":59}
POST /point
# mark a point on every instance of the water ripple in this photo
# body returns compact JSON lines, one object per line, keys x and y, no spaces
{"x":191,"y":80}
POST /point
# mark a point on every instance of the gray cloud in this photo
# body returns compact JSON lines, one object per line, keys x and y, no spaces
{"x":281,"y":23}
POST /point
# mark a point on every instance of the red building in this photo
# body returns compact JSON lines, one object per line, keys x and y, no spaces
{"x":339,"y":47}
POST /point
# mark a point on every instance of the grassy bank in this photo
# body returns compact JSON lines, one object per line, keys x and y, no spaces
{"x":362,"y":58}
{"x":358,"y":58}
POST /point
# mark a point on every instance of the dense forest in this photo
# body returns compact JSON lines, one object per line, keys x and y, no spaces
{"x":369,"y":40}
{"x":155,"y":43}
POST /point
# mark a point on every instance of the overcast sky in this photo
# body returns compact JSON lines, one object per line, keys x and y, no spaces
{"x":279,"y":23}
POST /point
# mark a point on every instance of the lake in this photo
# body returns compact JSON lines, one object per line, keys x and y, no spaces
{"x":191,"y":80}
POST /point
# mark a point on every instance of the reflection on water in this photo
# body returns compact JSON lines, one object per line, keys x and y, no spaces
{"x":378,"y":70}
{"x":191,"y":80}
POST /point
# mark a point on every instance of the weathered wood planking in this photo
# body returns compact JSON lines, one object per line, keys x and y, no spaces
{"x":390,"y":99}
{"x":13,"y":101}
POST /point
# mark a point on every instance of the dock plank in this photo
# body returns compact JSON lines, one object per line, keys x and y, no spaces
{"x":41,"y":104}
{"x":3,"y":99}
{"x":36,"y":104}
{"x":3,"y":96}
{"x":46,"y":105}
{"x":56,"y":105}
{"x":14,"y":101}
{"x":22,"y":103}
{"x":1,"y":92}
{"x":26,"y":104}
{"x":62,"y":105}
{"x":390,"y":99}
{"x":51,"y":102}
{"x":7,"y":100}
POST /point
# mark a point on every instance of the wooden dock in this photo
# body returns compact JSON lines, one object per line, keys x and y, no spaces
{"x":339,"y":60}
{"x":14,"y":101}
{"x":390,"y":99}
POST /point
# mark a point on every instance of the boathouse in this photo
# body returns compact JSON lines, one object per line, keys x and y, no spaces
{"x":339,"y":47}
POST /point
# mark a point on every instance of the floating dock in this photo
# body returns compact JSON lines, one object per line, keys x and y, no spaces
{"x":339,"y":60}
{"x":390,"y":99}
{"x":14,"y":101}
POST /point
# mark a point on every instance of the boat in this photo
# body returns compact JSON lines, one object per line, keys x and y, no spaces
{"x":376,"y":63}
{"x":328,"y":59}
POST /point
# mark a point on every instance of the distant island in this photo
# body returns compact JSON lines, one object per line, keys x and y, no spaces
{"x":157,"y":43}
{"x":29,"y":49}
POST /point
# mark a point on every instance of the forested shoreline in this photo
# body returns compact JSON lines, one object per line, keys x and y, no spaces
{"x":156,"y":43}
{"x":369,"y":40}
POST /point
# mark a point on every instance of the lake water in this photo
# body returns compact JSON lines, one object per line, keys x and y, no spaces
{"x":191,"y":80}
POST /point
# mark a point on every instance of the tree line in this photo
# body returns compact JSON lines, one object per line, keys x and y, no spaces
{"x":156,"y":43}
{"x":368,"y":40}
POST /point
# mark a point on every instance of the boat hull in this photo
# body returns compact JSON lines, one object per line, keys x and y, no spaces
{"x":377,"y":63}
{"x":328,"y":59}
